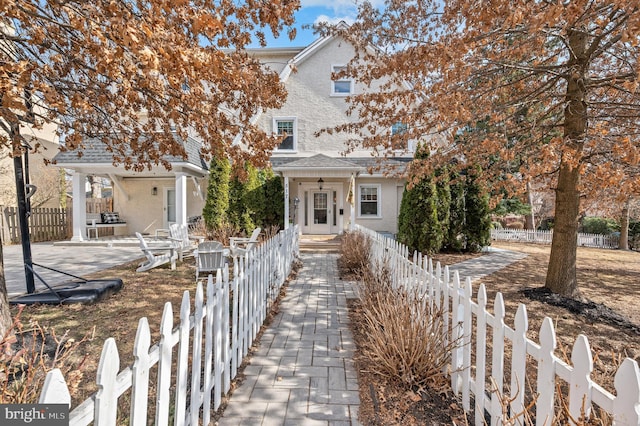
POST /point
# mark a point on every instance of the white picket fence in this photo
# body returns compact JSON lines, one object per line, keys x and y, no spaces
{"x":219,"y":333}
{"x":485,"y":377}
{"x":545,"y":237}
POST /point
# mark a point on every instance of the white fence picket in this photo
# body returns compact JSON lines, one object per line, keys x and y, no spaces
{"x":519,"y":361}
{"x":196,"y":356}
{"x":163,"y":399}
{"x":546,"y":374}
{"x":466,"y":345}
{"x":456,"y":335}
{"x":580,"y":385}
{"x":481,"y":354}
{"x":182,"y":373}
{"x":106,"y":405}
{"x":226,"y":332}
{"x":624,"y":407}
{"x":54,"y":389}
{"x":218,"y":332}
{"x":210,"y":333}
{"x":497,"y":359}
{"x":140,"y":374}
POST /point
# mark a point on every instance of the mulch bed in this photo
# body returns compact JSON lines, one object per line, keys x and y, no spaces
{"x":595,"y":312}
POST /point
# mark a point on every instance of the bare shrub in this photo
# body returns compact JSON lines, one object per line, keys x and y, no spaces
{"x":28,"y":355}
{"x":355,"y":250}
{"x":515,"y":225}
{"x":223,"y":233}
{"x":270,"y":232}
{"x":405,"y":335}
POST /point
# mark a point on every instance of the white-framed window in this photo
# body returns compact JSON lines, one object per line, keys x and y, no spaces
{"x":401,"y":143}
{"x":288,"y":127}
{"x":369,"y":197}
{"x":399,"y":128}
{"x":342,"y":86}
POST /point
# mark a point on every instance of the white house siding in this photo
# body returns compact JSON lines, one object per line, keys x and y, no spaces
{"x":143,"y":211}
{"x":309,"y":101}
{"x":389,"y":202}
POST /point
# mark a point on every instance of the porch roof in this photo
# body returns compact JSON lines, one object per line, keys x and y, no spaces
{"x":96,"y":159}
{"x":321,"y":163}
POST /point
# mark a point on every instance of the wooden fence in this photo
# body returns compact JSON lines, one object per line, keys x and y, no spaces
{"x":219,"y":332}
{"x":45,"y":224}
{"x":471,"y":326}
{"x":544,"y":237}
{"x":49,"y":224}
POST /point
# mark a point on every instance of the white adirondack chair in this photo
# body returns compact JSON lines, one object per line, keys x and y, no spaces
{"x":183,"y":242}
{"x":210,"y":256}
{"x":157,"y":253}
{"x":241,"y":246}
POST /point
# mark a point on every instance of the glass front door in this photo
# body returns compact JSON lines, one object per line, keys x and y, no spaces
{"x":320,"y":213}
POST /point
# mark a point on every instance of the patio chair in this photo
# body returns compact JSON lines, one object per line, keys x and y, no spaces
{"x":241,"y":246}
{"x":157,"y":253}
{"x":183,"y":242}
{"x":210,"y":256}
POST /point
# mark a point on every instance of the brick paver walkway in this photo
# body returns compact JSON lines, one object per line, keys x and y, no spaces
{"x":303,"y":372}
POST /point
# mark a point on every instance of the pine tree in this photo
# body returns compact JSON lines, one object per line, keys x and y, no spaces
{"x":477,"y":219}
{"x":419,"y":226}
{"x":273,"y":211}
{"x":454,"y":237}
{"x":216,"y":205}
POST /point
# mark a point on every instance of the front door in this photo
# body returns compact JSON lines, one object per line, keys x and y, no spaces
{"x":320,"y":213}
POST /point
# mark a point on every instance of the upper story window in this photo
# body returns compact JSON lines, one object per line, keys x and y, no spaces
{"x":401,"y":142}
{"x":287,"y":127}
{"x":399,"y":128}
{"x":369,"y":200}
{"x":342,"y":86}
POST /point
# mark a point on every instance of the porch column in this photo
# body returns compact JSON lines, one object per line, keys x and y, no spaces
{"x":79,"y":206}
{"x":286,"y":202}
{"x":181,"y":198}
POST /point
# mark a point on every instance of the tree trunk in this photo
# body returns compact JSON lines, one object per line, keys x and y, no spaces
{"x":96,"y":186}
{"x":624,"y":227}
{"x":530,"y":219}
{"x":5,"y":313}
{"x":561,"y":273}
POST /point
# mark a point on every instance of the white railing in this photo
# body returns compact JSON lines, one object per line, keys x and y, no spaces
{"x":219,"y":333}
{"x":485,"y":378}
{"x":544,"y":237}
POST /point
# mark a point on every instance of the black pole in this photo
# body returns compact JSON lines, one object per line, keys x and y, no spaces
{"x":24,"y":224}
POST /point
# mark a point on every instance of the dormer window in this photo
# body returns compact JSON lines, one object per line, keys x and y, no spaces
{"x":342,"y":86}
{"x":287,"y":127}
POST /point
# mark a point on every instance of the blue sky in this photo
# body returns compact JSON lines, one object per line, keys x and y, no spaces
{"x":314,"y":11}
